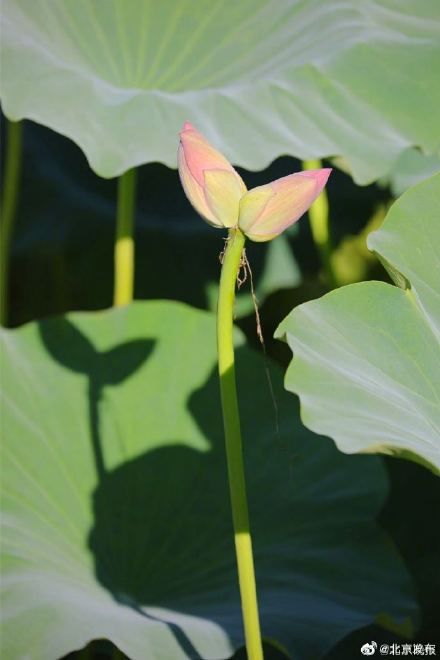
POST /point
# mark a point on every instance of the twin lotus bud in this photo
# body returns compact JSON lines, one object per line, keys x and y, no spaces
{"x":218,"y":194}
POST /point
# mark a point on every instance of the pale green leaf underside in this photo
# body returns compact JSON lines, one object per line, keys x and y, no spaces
{"x":412,"y":167}
{"x":116,"y":520}
{"x":366,"y":360}
{"x":357,"y":79}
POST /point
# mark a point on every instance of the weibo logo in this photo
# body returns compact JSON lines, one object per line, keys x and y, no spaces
{"x":369,"y":649}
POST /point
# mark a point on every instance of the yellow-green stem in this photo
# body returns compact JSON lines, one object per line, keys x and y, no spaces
{"x":234,"y":452}
{"x":11,"y":181}
{"x":319,"y":224}
{"x":124,"y":245}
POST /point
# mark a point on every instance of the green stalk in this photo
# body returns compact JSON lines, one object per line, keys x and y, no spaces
{"x":124,"y":245}
{"x":319,"y":224}
{"x":8,"y":210}
{"x":234,"y":453}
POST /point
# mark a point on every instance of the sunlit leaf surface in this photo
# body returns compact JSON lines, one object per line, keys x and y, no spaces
{"x":116,"y":520}
{"x":260,"y":78}
{"x":367,"y":357}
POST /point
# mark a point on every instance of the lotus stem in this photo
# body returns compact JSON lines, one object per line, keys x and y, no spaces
{"x":319,"y":224}
{"x":124,"y":245}
{"x":8,"y":208}
{"x":234,"y":453}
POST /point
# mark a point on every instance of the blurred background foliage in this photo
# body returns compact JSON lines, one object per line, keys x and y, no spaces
{"x":64,"y":237}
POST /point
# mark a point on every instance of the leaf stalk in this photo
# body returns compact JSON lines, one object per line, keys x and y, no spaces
{"x":319,"y":225}
{"x":124,"y":244}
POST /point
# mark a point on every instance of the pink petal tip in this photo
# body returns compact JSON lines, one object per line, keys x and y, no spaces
{"x":321,"y":176}
{"x":187,"y":126}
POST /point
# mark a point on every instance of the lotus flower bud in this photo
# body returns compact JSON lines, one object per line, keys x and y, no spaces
{"x":219,"y":195}
{"x":268,"y":210}
{"x":210,"y":182}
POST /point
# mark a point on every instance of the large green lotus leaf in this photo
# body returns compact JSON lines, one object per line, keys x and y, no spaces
{"x":116,"y":509}
{"x":366,"y":357}
{"x":357,"y":79}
